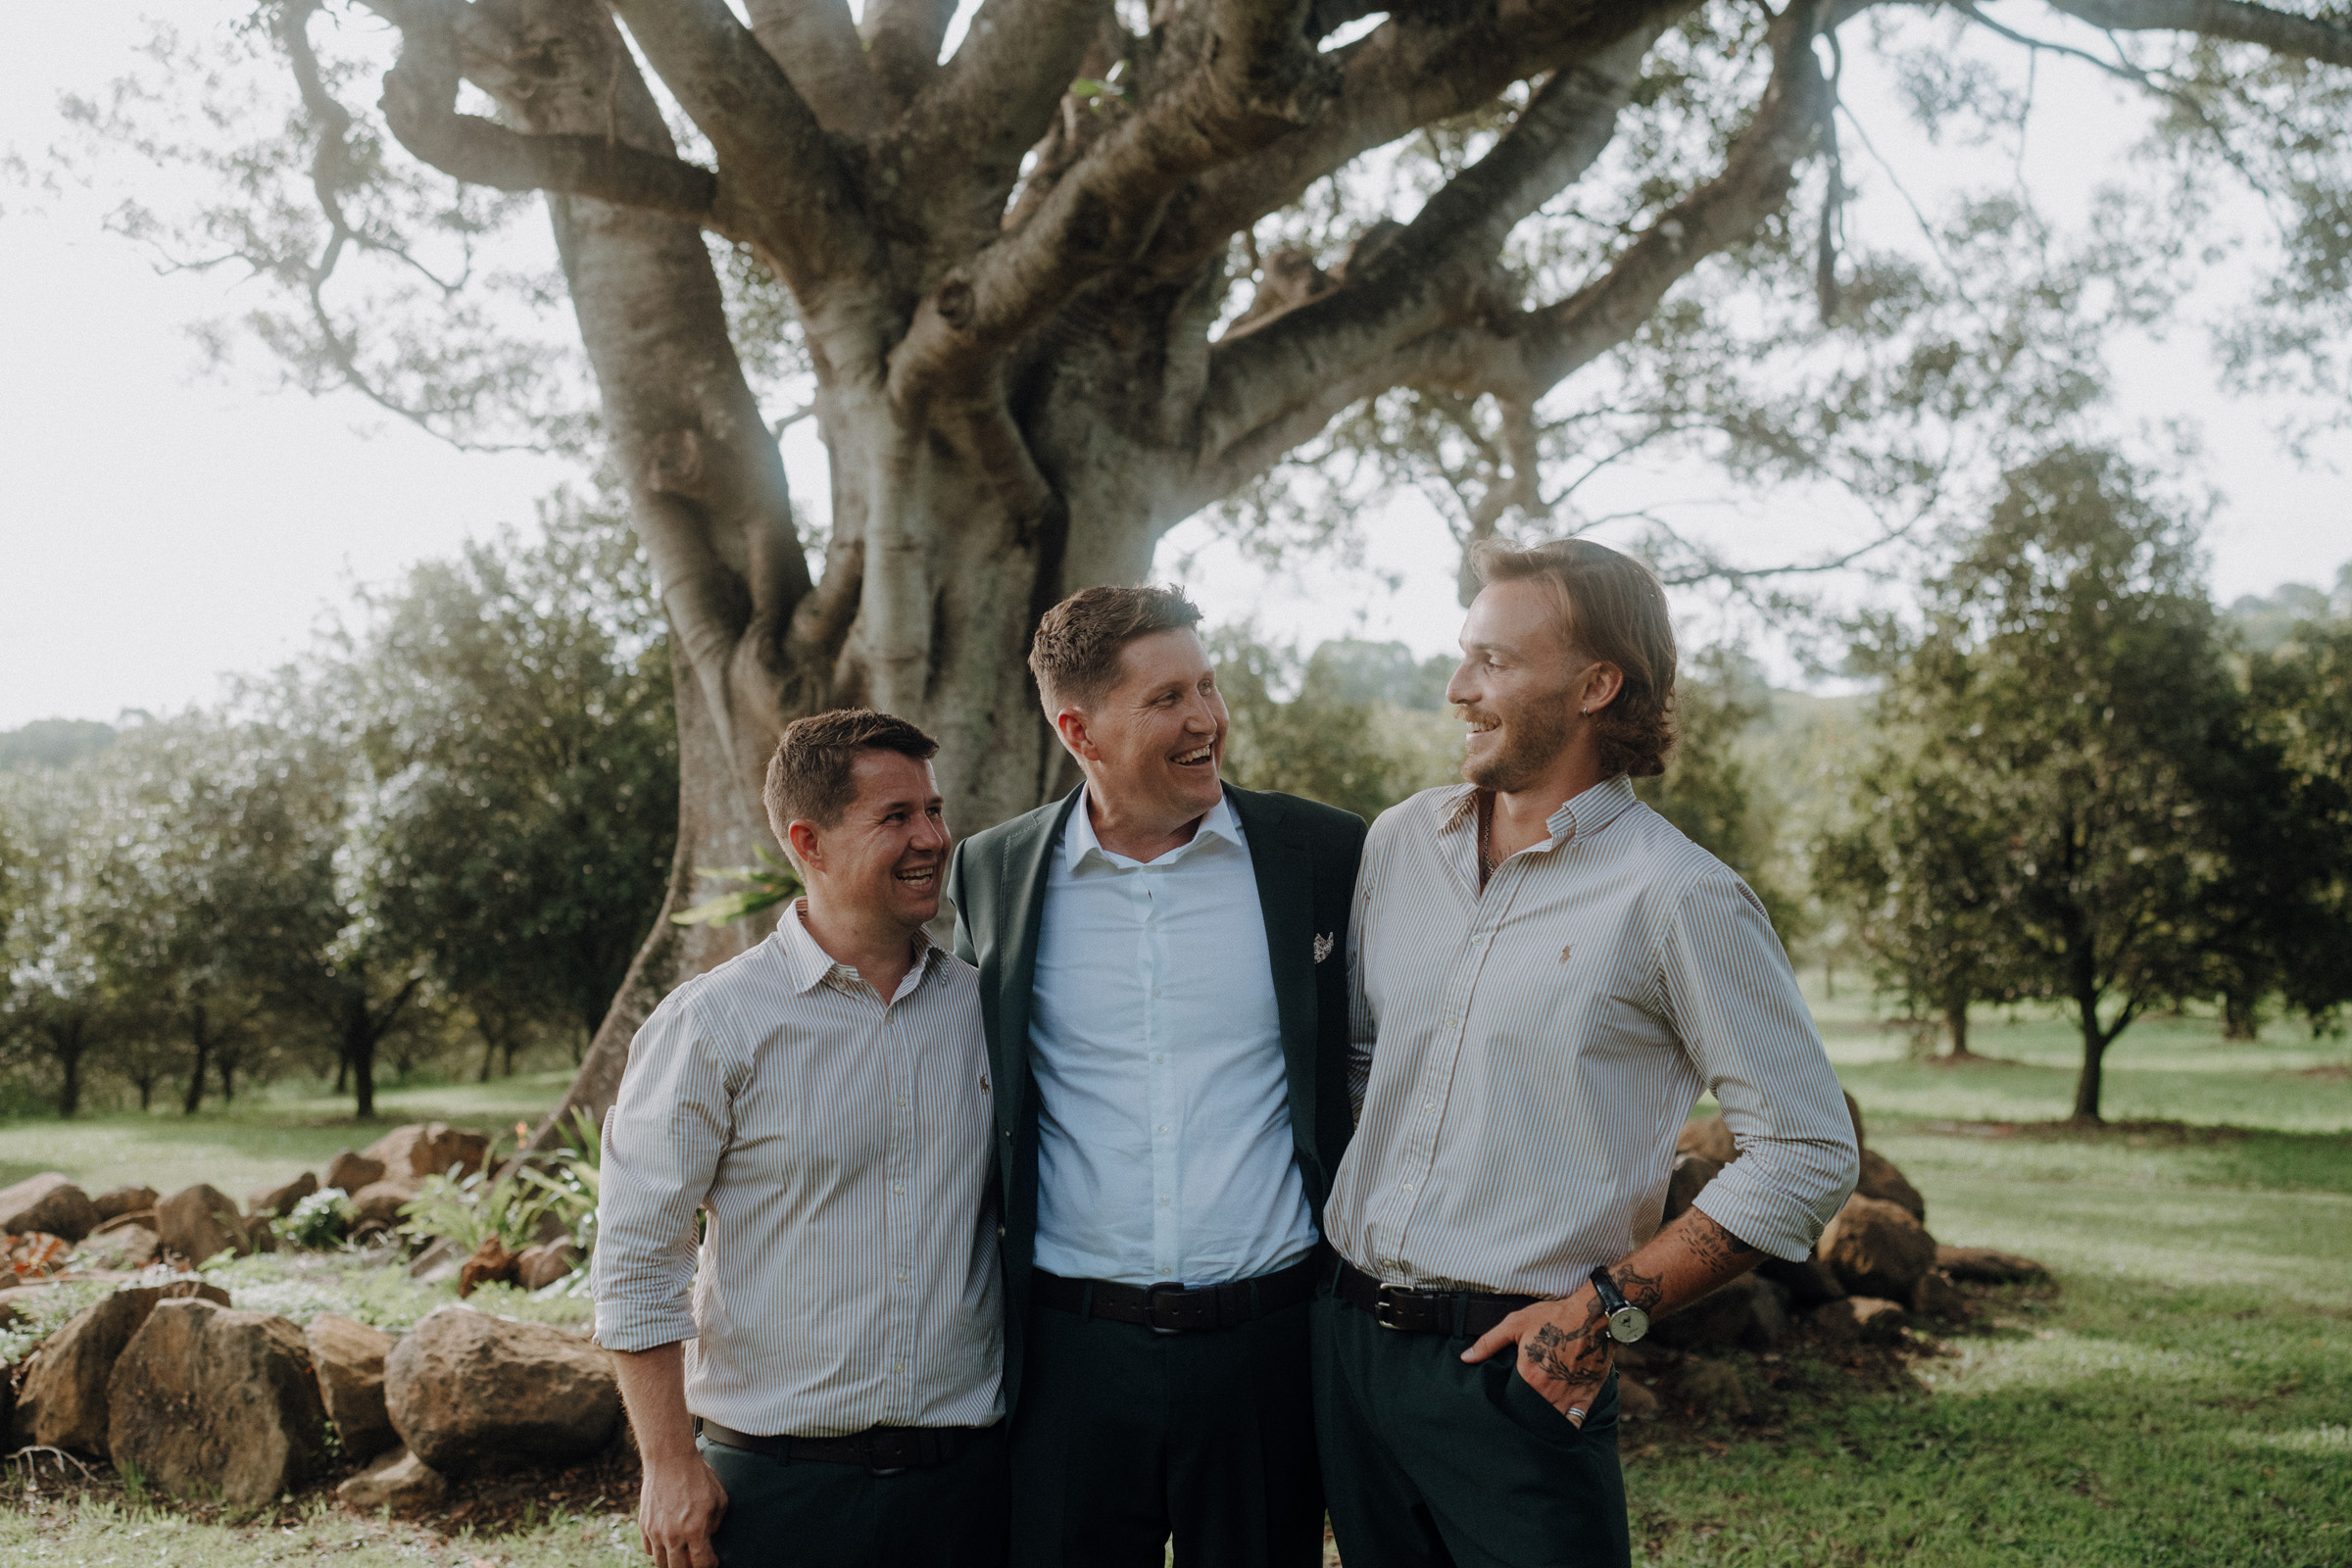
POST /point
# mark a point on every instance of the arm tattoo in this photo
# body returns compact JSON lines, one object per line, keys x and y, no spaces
{"x":1572,"y":1355}
{"x":1718,"y":1248}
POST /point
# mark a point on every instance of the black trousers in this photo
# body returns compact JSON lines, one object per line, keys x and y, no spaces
{"x":1429,"y":1462}
{"x":846,"y":1516}
{"x":1123,"y":1437}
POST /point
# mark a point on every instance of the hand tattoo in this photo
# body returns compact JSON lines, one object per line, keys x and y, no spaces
{"x":1578,"y":1355}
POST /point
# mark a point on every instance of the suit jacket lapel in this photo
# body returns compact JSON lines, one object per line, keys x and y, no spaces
{"x":1020,"y":911}
{"x":1286,"y":889}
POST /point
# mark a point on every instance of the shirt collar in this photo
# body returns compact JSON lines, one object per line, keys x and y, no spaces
{"x":809,"y":965}
{"x":1078,"y":840}
{"x":1585,"y":813}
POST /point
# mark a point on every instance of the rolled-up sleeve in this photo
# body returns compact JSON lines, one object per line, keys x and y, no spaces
{"x":1733,"y":999}
{"x":662,"y":1147}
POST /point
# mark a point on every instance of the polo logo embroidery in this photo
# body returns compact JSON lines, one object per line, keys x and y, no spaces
{"x":1564,"y":952}
{"x":1323,"y":946}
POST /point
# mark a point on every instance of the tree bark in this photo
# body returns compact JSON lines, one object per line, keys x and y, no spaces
{"x":2094,"y":1052}
{"x":68,"y":1043}
{"x":1955,"y":1025}
{"x":200,"y":1037}
{"x":2241,"y":1016}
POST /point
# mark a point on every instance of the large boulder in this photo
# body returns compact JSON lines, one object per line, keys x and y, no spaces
{"x":380,"y":1202}
{"x":1936,"y":1295}
{"x":1692,"y":1173}
{"x":63,"y":1401}
{"x":1877,"y":1248}
{"x":123,"y":1201}
{"x":48,"y":1202}
{"x":470,"y":1392}
{"x":1881,"y":1181}
{"x":429,"y":1148}
{"x":351,"y":1170}
{"x":1708,"y":1135}
{"x":276,"y":1202}
{"x":400,"y":1482}
{"x":349,"y":1359}
{"x":197,"y":1222}
{"x":1981,"y":1265}
{"x":213,"y":1403}
{"x":124,"y":1248}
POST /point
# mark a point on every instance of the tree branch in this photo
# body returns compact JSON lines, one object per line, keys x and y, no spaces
{"x":796,"y":201}
{"x":816,"y":43}
{"x":903,"y":39}
{"x":419,"y":104}
{"x":2280,"y":31}
{"x":1237,"y":77}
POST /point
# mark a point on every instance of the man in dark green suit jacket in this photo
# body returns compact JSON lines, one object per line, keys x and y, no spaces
{"x":1163,"y":980}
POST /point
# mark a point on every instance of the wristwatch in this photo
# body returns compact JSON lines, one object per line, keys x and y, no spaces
{"x":1627,"y":1322}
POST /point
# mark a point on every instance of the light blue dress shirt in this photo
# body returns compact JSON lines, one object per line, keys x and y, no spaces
{"x":1164,"y":1148}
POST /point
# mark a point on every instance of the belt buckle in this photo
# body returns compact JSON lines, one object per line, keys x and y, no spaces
{"x":893,"y":1445}
{"x":1388,"y":1299}
{"x":1151,"y":1295}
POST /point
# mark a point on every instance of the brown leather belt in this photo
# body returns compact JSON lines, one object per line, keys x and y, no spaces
{"x":885,"y":1450}
{"x":1464,"y":1314}
{"x":1170,"y":1308}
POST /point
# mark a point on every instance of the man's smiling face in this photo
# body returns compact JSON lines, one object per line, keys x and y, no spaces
{"x":1159,"y":730}
{"x":1516,"y":686}
{"x":890,"y":848}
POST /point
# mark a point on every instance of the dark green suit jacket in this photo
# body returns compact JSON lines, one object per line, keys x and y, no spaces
{"x":1305,"y":857}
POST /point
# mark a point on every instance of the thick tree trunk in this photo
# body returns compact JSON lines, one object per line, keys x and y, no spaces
{"x":202,"y":1039}
{"x":228,"y":1078}
{"x":2241,"y":1016}
{"x":358,"y":1056}
{"x":1955,"y":1025}
{"x":67,"y":1044}
{"x":2094,"y":1052}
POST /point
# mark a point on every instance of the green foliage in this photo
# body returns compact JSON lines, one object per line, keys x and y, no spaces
{"x":508,"y":1200}
{"x":54,"y":742}
{"x":1709,"y":789}
{"x":318,"y":1221}
{"x":1363,"y":757}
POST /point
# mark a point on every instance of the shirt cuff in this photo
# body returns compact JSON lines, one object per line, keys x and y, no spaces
{"x":632,"y":1326}
{"x":1748,"y":1204}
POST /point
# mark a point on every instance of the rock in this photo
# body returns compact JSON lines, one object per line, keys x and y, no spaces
{"x":1712,"y":1386}
{"x":1936,"y":1297}
{"x":1881,"y":1181}
{"x":141,"y":1217}
{"x":549,"y":1228}
{"x":63,"y":1404}
{"x":380,"y":1202}
{"x":1808,"y":1282}
{"x":488,"y":1264}
{"x":1745,"y":1312}
{"x":32,"y":1254}
{"x":352,"y":1171}
{"x":129,"y":1248}
{"x":438,"y":1263}
{"x":209,"y":1401}
{"x":1691,"y":1173}
{"x":51,"y":1204}
{"x":123,"y":1201}
{"x":1853,"y":1108}
{"x":198,"y":1222}
{"x":1877,"y":1248}
{"x":1981,"y":1265}
{"x":1858,"y":1319}
{"x":1708,"y":1136}
{"x":468,"y":1391}
{"x":538,"y":1267}
{"x":428,"y":1149}
{"x":276,"y":1202}
{"x":400,"y":1482}
{"x":1634,"y":1401}
{"x":349,"y":1360}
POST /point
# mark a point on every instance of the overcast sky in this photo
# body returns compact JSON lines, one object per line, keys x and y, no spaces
{"x":159,"y":527}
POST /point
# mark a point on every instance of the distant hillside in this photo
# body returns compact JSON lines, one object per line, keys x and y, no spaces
{"x":54,"y":742}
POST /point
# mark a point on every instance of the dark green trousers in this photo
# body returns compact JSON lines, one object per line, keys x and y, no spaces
{"x":1123,"y":1438}
{"x":846,"y":1516}
{"x":1432,"y":1463}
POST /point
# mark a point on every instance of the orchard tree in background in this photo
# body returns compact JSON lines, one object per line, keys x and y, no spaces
{"x":2068,"y":676}
{"x":1103,"y":266}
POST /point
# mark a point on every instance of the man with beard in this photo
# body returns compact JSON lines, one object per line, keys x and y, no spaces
{"x":1160,"y":970}
{"x":823,"y":1100}
{"x":1545,"y":976}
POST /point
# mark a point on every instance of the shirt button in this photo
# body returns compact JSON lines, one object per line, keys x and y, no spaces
{"x":1160,"y":1056}
{"x":1163,"y":1202}
{"x":901,"y":1100}
{"x":1162,"y":1127}
{"x":901,"y":1273}
{"x":1155,"y":991}
{"x":1429,"y":1105}
{"x":898,"y":1187}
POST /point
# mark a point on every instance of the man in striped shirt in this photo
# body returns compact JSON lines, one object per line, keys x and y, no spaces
{"x":824,"y":1101}
{"x":1546,"y":976}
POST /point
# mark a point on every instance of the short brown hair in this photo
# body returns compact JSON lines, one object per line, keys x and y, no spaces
{"x":1075,"y":654}
{"x":1614,"y":610}
{"x":813,"y":777}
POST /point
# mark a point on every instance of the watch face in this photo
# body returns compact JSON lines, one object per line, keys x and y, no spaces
{"x":1628,"y":1324}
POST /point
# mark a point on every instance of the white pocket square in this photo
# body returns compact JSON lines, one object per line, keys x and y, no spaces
{"x":1323,"y":948}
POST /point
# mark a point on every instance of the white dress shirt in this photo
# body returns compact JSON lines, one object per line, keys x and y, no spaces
{"x":848,"y":1275}
{"x":1164,"y":1148}
{"x":1525,"y":1056}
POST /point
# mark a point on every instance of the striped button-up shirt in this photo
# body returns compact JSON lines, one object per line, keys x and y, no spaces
{"x":839,"y":1147}
{"x":1525,"y":1057}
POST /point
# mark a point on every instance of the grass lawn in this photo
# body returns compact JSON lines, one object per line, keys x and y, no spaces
{"x":2183,"y":1397}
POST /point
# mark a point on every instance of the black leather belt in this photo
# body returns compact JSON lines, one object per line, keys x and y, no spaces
{"x":1461,"y":1313}
{"x":886,"y":1450}
{"x":1170,"y":1308}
